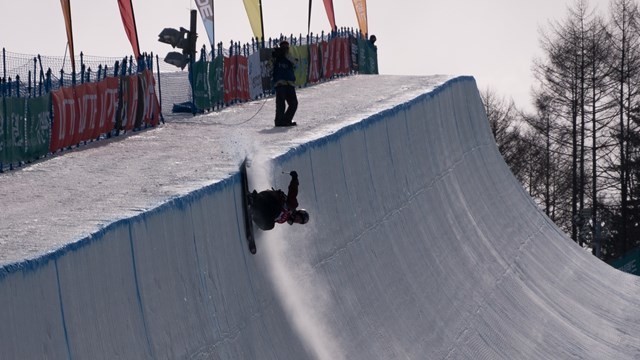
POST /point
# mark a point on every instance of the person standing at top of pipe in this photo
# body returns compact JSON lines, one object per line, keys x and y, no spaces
{"x":284,"y":81}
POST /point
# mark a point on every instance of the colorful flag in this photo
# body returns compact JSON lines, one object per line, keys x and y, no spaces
{"x":66,"y":11}
{"x":361,"y":12}
{"x":328,"y":6}
{"x":254,"y":11}
{"x":206,"y":12}
{"x":129,"y":22}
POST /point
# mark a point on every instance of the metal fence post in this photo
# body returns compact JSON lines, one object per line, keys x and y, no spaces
{"x":159,"y":89}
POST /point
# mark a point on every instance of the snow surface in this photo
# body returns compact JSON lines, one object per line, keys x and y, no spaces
{"x":421,"y":242}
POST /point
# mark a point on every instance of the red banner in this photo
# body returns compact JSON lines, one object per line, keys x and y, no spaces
{"x":315,"y":63}
{"x":66,"y":119}
{"x":87,"y":99}
{"x":130,"y":98}
{"x":107,"y":105}
{"x":327,"y":59}
{"x":151,"y":113}
{"x":229,"y":80}
{"x":129,"y":22}
{"x":342,"y":56}
{"x":336,"y":57}
{"x":243,"y":78}
{"x":86,"y":111}
{"x":236,"y":78}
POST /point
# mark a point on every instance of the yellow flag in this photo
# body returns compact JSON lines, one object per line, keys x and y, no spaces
{"x":254,"y":11}
{"x":361,"y":13}
{"x":66,"y":11}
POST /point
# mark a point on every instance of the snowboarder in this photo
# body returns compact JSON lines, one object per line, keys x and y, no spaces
{"x":284,"y":81}
{"x":273,"y":206}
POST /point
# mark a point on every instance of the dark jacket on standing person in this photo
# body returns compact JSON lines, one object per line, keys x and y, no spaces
{"x":283,"y":68}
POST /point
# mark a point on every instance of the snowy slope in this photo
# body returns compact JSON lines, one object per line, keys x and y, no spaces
{"x":421,"y":244}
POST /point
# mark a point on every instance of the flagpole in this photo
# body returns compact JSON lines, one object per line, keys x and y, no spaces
{"x":213,"y":29}
{"x":309,"y":24}
{"x":261,"y":22}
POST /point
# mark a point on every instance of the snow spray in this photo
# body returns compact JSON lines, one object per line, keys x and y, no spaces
{"x":301,"y":291}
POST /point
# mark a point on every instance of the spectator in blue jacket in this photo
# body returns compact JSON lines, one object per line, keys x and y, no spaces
{"x":284,"y":81}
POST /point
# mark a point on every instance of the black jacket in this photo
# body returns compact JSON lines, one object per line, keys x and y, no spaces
{"x":283,"y":68}
{"x":269,"y":205}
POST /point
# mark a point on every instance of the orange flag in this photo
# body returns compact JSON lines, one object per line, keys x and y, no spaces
{"x":361,"y":13}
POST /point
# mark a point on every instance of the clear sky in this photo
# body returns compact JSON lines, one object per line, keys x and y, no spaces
{"x":493,"y":40}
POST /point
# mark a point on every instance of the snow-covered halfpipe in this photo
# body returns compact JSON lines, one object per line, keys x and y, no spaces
{"x":421,"y":245}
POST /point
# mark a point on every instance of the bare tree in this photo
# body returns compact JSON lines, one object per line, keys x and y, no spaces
{"x":562,"y":76}
{"x":624,"y":29}
{"x":502,"y":116}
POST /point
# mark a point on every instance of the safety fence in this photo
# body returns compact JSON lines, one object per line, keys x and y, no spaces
{"x":50,"y":112}
{"x":244,"y":73}
{"x":52,"y":115}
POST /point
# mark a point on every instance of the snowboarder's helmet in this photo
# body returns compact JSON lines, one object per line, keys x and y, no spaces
{"x":303,"y":214}
{"x":284,"y":44}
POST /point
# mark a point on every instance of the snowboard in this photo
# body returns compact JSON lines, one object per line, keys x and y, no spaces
{"x":246,"y":208}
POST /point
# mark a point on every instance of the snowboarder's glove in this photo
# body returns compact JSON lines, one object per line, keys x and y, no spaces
{"x":294,"y":174}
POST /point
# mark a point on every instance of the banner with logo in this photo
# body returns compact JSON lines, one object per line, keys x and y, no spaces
{"x":38,"y":127}
{"x":302,"y":67}
{"x":342,"y":55}
{"x":230,"y":78}
{"x":326,"y":52}
{"x":315,"y":64}
{"x":72,"y":117}
{"x":150,"y":105}
{"x":106,"y":106}
{"x":65,"y":115}
{"x":216,"y":80}
{"x":87,"y":99}
{"x":353,"y":41}
{"x":266,"y":64}
{"x":236,"y":78}
{"x":367,"y":57}
{"x":132,"y":96}
{"x":15,"y":129}
{"x":255,"y":75}
{"x":200,"y":76}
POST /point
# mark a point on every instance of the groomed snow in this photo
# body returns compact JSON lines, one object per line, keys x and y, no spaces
{"x":421,"y":244}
